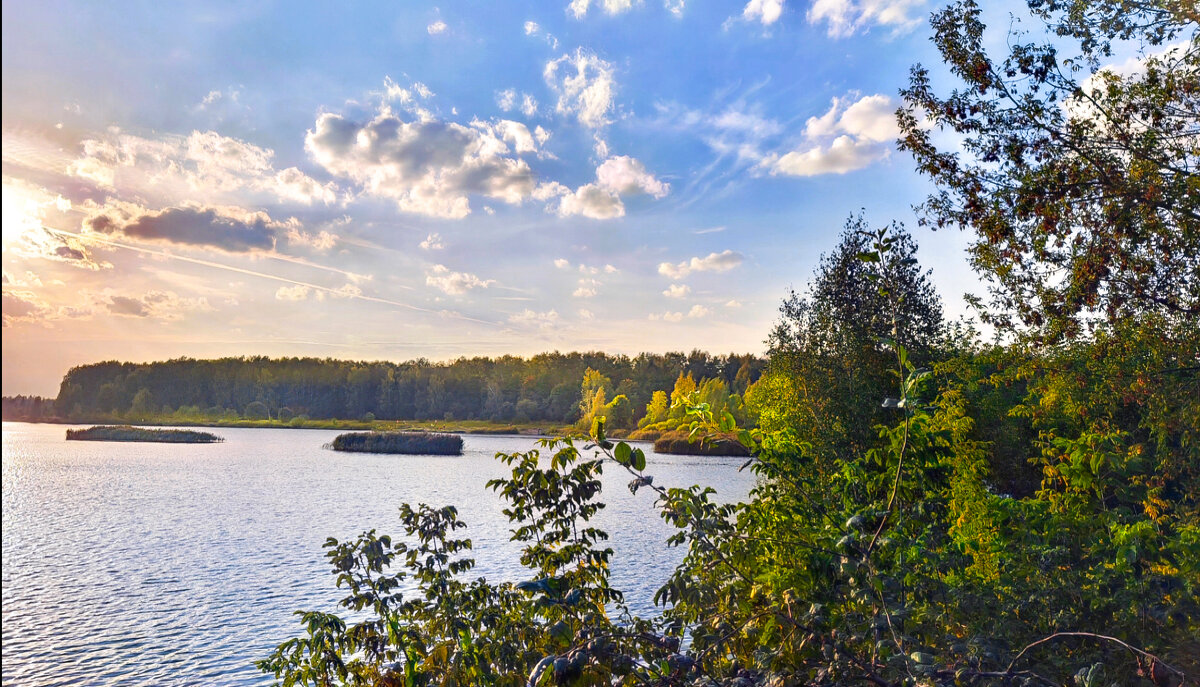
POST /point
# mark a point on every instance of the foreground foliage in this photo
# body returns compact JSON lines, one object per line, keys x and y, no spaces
{"x":930,"y":510}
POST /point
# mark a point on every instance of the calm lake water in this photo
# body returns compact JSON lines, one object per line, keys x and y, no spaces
{"x":159,"y":564}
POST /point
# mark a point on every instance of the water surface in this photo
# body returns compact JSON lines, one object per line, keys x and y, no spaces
{"x":169,"y":564}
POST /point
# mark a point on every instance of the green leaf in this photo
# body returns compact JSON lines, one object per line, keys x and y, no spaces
{"x":622,"y":453}
{"x":639,"y":459}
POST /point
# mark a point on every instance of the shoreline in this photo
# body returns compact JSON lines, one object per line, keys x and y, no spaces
{"x":482,"y":427}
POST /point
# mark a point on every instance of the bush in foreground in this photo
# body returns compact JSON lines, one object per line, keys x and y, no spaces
{"x":411,"y":443}
{"x":128,"y":433}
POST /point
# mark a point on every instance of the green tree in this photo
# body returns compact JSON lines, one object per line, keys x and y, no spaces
{"x":657,"y":409}
{"x":257,"y":410}
{"x":1079,"y":181}
{"x":828,"y":359}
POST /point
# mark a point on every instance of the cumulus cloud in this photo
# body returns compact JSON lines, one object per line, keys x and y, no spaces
{"x":201,"y":166}
{"x":436,"y":27}
{"x":675,"y":7}
{"x":428,"y":167}
{"x":454,"y":283}
{"x":615,"y":177}
{"x":733,"y":303}
{"x":697,"y":311}
{"x":677,"y":291}
{"x":432,"y":242}
{"x":765,"y":11}
{"x":588,"y":288}
{"x":562,"y":264}
{"x":585,"y":314}
{"x":229,"y":229}
{"x":541,"y":320}
{"x":592,"y":201}
{"x":713,"y":262}
{"x":298,"y":292}
{"x":667,"y":317}
{"x":848,"y":137}
{"x":584,"y":85}
{"x":579,"y":8}
{"x":846,"y":17}
{"x":531,"y":28}
{"x":319,"y":241}
{"x":626,"y":175}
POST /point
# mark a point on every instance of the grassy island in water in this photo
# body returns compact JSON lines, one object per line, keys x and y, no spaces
{"x":411,"y":443}
{"x":127,"y":433}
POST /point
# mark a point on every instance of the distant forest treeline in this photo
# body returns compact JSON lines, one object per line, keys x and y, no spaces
{"x":544,"y":388}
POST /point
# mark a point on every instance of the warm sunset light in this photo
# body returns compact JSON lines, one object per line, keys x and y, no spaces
{"x":601,"y":343}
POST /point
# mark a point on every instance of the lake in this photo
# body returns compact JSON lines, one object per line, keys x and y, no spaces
{"x":159,"y":564}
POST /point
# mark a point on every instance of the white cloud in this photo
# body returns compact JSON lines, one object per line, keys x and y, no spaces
{"x":591,"y":201}
{"x":675,"y":7}
{"x":299,"y":292}
{"x":532,"y":29}
{"x":436,"y":27}
{"x":765,"y":11}
{"x":625,"y":175}
{"x":846,"y":17}
{"x":579,"y":8}
{"x":320,"y":241}
{"x":713,"y":262}
{"x":203,"y":166}
{"x":428,"y":167}
{"x":432,"y":242}
{"x":588,"y":288}
{"x":585,"y":314}
{"x":733,"y":303}
{"x":844,"y":154}
{"x":562,"y":264}
{"x":517,"y":134}
{"x":529,"y":105}
{"x":541,"y":320}
{"x":698,"y":311}
{"x":584,"y":85}
{"x":454,"y":283}
{"x":848,"y":137}
{"x":677,"y":291}
{"x":667,"y":316}
{"x":602,"y":199}
{"x":506,"y":99}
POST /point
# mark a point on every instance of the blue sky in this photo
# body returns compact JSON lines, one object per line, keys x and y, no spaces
{"x":396,"y":180}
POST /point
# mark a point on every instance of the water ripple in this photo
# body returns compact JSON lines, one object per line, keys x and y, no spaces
{"x":144,"y":564}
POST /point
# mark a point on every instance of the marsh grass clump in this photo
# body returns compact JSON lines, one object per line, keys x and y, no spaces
{"x":128,"y":433}
{"x":411,"y":443}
